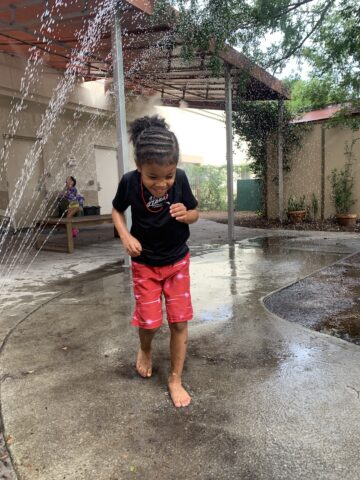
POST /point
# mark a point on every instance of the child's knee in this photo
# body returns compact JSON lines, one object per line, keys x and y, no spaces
{"x":149,"y":331}
{"x":178,"y":327}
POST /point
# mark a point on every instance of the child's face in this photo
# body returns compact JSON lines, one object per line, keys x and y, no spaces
{"x":158,"y":179}
{"x":69,"y":182}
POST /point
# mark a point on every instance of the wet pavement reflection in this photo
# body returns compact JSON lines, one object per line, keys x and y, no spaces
{"x":327,"y":301}
{"x":269,"y":396}
{"x":243,"y":273}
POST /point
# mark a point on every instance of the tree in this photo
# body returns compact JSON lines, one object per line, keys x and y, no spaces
{"x":335,"y":49}
{"x":324,"y":32}
{"x":315,"y":93}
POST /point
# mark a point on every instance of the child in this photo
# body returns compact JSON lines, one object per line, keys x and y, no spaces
{"x":162,"y":207}
{"x":71,"y":201}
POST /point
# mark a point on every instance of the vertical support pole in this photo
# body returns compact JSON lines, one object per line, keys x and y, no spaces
{"x":280,"y":159}
{"x":322,"y":193}
{"x":119,"y":89}
{"x":229,"y":152}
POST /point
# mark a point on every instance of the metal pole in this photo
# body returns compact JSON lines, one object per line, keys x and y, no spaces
{"x":119,"y":90}
{"x":229,"y":152}
{"x":280,"y":159}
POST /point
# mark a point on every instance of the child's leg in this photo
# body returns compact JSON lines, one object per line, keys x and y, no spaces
{"x":178,"y":346}
{"x":143,"y":361}
{"x":148,"y":313}
{"x":72,"y":212}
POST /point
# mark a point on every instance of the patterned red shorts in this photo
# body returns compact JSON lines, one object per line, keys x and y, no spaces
{"x":151,"y":282}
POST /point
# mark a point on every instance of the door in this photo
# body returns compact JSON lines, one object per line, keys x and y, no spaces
{"x":249,"y":195}
{"x":107,"y":177}
{"x":33,"y":191}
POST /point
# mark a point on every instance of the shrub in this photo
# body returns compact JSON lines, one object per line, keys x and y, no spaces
{"x":342,"y":184}
{"x":295,"y":205}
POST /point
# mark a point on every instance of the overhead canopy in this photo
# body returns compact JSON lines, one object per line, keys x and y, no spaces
{"x":150,"y":63}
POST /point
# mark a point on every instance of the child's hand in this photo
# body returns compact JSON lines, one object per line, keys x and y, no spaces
{"x":132,"y":246}
{"x":179,"y":212}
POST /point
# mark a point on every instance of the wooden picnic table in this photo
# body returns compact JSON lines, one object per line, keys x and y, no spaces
{"x":69,"y":223}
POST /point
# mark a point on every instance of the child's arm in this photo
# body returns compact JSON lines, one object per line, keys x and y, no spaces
{"x":181,"y":214}
{"x":131,"y":244}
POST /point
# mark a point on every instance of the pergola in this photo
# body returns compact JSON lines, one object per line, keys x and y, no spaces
{"x":139,"y":55}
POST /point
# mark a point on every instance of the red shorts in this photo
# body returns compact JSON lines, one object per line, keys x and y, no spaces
{"x":151,"y":282}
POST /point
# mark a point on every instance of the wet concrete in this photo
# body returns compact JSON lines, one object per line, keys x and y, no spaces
{"x":271,"y":399}
{"x":328,"y":301}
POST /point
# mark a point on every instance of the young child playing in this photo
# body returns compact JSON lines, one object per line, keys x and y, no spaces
{"x":162,"y":207}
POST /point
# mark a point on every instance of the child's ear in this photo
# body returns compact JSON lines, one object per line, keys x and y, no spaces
{"x":138,"y":168}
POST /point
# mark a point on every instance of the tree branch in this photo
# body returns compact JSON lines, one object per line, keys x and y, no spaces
{"x":294,"y":6}
{"x":307,"y":36}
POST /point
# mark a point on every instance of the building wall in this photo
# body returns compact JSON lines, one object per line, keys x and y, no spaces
{"x":57,"y":144}
{"x":335,"y":143}
{"x":305,"y":175}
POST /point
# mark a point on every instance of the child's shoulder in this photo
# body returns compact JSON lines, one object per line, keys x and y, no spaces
{"x":180,"y":173}
{"x":132,"y":175}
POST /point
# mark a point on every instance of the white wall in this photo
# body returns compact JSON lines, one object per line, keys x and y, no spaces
{"x":201,"y":133}
{"x":43,"y":81}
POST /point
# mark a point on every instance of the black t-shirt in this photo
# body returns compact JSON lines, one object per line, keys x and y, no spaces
{"x":163,"y":238}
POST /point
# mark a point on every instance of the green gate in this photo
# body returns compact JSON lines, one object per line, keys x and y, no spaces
{"x":249,"y":197}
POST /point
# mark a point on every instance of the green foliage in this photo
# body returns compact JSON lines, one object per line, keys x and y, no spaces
{"x":315,"y":93}
{"x":334,"y":50}
{"x":323,"y":32}
{"x":198,"y":21}
{"x":257,"y":124}
{"x":294,"y":205}
{"x":342,"y":182}
{"x":313,"y":208}
{"x":208,"y":184}
{"x":260,"y":213}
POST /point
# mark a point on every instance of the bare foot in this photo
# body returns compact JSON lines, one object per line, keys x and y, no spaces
{"x":144,"y":364}
{"x":178,"y":394}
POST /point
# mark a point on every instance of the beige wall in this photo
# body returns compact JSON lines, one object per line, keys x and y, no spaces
{"x":304,"y":177}
{"x":43,"y":82}
{"x":65,"y":148}
{"x":335,"y":141}
{"x":68,"y":150}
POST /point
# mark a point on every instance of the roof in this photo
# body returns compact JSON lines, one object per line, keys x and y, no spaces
{"x":317,"y":115}
{"x":151,"y":63}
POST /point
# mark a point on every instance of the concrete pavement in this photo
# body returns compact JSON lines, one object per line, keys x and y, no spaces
{"x":271,"y":399}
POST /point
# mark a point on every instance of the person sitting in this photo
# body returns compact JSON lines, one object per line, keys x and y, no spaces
{"x":71,"y":202}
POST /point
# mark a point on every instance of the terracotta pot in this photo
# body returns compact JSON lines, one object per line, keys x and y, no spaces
{"x":346,"y":219}
{"x":297,"y":216}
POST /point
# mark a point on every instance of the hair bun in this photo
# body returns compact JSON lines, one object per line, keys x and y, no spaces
{"x":141,"y":124}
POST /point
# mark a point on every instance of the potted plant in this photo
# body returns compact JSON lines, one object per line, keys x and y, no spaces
{"x":296,"y":209}
{"x":342,"y":185}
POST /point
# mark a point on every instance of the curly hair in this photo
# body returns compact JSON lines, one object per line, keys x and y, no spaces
{"x":153,"y":141}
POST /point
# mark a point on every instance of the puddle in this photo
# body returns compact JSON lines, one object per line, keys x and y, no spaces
{"x":328,"y":301}
{"x":266,"y":242}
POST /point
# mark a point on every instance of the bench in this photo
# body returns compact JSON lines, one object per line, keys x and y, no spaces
{"x":69,"y":223}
